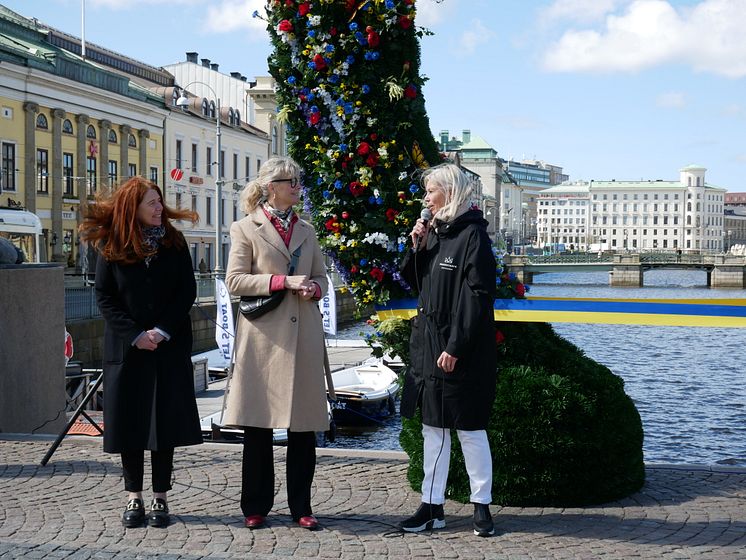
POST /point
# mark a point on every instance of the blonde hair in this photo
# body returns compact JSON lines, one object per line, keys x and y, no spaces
{"x":455,"y":185}
{"x":256,"y":191}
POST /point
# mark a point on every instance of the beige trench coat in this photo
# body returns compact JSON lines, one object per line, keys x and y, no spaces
{"x":278,"y":377}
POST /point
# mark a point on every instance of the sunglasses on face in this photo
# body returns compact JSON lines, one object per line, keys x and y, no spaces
{"x":293,"y":182}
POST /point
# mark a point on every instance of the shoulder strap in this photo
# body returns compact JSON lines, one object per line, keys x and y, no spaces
{"x":293,"y":261}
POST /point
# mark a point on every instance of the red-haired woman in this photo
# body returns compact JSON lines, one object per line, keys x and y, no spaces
{"x":145,"y":288}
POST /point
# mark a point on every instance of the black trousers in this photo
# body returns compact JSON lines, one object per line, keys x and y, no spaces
{"x":133,"y":468}
{"x":258,"y":472}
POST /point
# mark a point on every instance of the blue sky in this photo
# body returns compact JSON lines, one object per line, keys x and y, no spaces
{"x":608,"y":89}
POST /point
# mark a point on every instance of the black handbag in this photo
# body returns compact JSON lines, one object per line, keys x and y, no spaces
{"x":253,"y":307}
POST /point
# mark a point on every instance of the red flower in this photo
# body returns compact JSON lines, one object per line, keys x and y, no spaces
{"x":372,"y":160}
{"x":304,"y":8}
{"x":353,"y":269}
{"x":356,"y":188}
{"x":520,"y":289}
{"x":319,"y":62}
{"x":350,"y":5}
{"x":499,"y":337}
{"x":363,"y":149}
{"x":314,"y":118}
{"x":405,"y":22}
{"x":345,"y":215}
{"x":332,"y":225}
{"x":333,"y":31}
{"x":391,"y":214}
{"x":285,"y":25}
{"x":289,"y":3}
{"x":373,"y":136}
{"x":377,"y":273}
{"x":410,"y":92}
{"x":373,"y":39}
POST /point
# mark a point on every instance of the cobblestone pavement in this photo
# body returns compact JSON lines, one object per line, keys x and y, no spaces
{"x":71,"y":509}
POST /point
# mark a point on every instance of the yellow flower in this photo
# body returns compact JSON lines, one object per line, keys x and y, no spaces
{"x":358,"y":103}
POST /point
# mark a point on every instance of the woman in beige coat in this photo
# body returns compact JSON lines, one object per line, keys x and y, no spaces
{"x":278,"y":378}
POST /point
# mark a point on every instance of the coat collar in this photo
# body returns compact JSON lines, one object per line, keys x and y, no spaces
{"x":267,"y":231}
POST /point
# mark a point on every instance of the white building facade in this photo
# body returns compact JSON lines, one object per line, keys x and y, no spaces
{"x":687,"y":214}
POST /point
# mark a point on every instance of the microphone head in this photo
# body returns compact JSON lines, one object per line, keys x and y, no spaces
{"x":426,"y":214}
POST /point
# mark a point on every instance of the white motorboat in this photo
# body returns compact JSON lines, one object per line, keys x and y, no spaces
{"x":365,"y":394}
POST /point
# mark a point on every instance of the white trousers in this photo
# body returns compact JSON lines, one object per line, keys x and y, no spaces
{"x":437,"y":458}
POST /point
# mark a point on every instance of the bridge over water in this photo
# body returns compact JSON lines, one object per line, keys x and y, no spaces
{"x":627,"y":269}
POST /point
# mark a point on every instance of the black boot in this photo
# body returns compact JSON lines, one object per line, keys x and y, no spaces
{"x":427,"y":517}
{"x":158,"y":514}
{"x":483,"y":526}
{"x":134,"y":513}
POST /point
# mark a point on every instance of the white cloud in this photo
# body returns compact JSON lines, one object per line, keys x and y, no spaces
{"x":583,"y":11}
{"x":130,"y":4}
{"x":734,"y":110}
{"x":708,"y":37}
{"x":477,"y":35}
{"x":671,"y":100}
{"x":432,"y":12}
{"x":233,"y":15}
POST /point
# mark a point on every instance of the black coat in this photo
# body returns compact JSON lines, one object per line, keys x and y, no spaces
{"x":456,"y":276}
{"x":149,"y":398}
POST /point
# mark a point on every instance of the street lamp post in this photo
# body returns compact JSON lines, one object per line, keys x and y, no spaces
{"x":183,"y":101}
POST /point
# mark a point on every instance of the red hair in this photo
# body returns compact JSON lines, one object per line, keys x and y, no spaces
{"x":112,"y":225}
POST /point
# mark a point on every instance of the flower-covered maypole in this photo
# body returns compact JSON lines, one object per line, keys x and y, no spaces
{"x":350,"y":93}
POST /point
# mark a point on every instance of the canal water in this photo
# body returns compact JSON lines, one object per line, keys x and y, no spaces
{"x":688,"y":383}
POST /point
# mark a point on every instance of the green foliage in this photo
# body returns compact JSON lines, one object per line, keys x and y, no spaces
{"x":390,"y":337}
{"x":562,"y":430}
{"x":350,"y":92}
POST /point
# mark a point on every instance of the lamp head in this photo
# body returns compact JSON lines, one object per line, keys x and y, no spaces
{"x":182,"y":101}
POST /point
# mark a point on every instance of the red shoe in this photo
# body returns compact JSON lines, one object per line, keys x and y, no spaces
{"x":309,"y":522}
{"x":254,"y":521}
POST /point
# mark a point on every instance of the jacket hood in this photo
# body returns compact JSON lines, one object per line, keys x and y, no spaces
{"x":470,"y":217}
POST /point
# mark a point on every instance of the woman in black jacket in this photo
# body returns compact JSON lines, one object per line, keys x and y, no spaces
{"x":453,"y":354}
{"x":145,"y":289}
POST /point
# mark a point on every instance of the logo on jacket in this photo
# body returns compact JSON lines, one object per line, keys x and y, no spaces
{"x":447,"y":264}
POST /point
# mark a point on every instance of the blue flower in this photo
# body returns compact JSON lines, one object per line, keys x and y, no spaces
{"x":314,"y":109}
{"x":326,"y":194}
{"x":512,"y":276}
{"x":312,"y":33}
{"x":343,"y":147}
{"x":375,"y":55}
{"x":255,"y":14}
{"x":401,"y":247}
{"x":366,"y":88}
{"x":379,"y":200}
{"x":337,"y":184}
{"x":311,"y":96}
{"x":363,"y":262}
{"x":333,"y":79}
{"x":390,"y":4}
{"x":413,"y":188}
{"x":319,"y":181}
{"x":291,"y":79}
{"x":350,"y":59}
{"x":311,"y":65}
{"x":353,"y":26}
{"x":372,"y":200}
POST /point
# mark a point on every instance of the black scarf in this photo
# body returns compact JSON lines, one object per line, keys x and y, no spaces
{"x":151,"y":237}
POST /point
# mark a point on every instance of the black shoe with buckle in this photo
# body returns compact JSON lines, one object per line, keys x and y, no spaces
{"x":483,"y":525}
{"x":134,"y":513}
{"x":158,"y":514}
{"x":426,"y":518}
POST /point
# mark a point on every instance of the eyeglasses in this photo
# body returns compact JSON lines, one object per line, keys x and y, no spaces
{"x":293,"y":182}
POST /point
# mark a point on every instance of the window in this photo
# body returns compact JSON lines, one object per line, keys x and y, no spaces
{"x":154,"y":176}
{"x":235,"y":211}
{"x":230,"y":116}
{"x":222,"y":211}
{"x":208,"y":211}
{"x":91,"y":176}
{"x":274,"y":139}
{"x":41,"y":121}
{"x":235,"y":167}
{"x":237,"y":117}
{"x":258,"y":164}
{"x":178,"y":200}
{"x":132,"y":170}
{"x":194,"y":203}
{"x":212,"y":109}
{"x":205,"y":108}
{"x":208,"y":161}
{"x":194,"y":158}
{"x":221,"y":165}
{"x":113,"y":171}
{"x":90,"y":132}
{"x":67,"y":126}
{"x":131,"y":142}
{"x":247,"y":164}
{"x":178,"y":154}
{"x":8,"y":177}
{"x":67,"y":173}
{"x":42,"y":171}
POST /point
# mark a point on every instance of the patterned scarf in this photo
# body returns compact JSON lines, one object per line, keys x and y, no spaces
{"x":151,"y":237}
{"x":283,"y":216}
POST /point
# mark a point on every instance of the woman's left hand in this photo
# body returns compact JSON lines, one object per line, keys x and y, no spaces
{"x":446,"y":362}
{"x":307,"y":291}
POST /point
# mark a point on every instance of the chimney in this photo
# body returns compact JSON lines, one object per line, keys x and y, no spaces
{"x":236,"y":75}
{"x":243,"y":78}
{"x":192,"y":57}
{"x":444,"y":139}
{"x":466,"y":136}
{"x":206,"y":62}
{"x":214,"y":66}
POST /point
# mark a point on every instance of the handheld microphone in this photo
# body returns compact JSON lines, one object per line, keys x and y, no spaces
{"x":425,"y":216}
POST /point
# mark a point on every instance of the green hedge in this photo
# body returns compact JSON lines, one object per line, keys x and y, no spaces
{"x":562,"y":432}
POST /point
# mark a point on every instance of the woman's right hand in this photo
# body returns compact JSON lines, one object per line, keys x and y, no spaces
{"x":419,"y":231}
{"x":144,"y":343}
{"x":297,"y":282}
